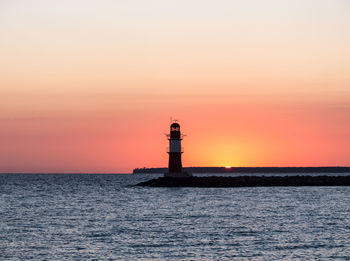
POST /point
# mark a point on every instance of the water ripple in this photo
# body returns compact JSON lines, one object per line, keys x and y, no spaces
{"x":94,"y":217}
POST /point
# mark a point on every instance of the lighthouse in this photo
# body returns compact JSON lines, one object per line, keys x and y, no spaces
{"x":175,"y":152}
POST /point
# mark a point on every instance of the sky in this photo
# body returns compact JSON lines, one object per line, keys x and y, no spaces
{"x":90,"y":86}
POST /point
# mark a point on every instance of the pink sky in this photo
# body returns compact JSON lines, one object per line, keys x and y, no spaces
{"x":90,"y":86}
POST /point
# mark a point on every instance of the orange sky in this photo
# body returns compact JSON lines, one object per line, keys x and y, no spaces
{"x":90,"y":87}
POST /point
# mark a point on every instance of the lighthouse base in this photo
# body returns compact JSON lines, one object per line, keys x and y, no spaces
{"x":177,"y":175}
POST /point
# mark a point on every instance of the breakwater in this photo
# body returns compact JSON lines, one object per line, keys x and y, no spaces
{"x":248,"y":181}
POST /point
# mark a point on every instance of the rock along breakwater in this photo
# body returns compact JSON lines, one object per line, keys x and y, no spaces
{"x":248,"y":181}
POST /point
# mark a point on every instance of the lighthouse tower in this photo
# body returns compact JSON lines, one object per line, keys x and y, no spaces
{"x":175,"y":151}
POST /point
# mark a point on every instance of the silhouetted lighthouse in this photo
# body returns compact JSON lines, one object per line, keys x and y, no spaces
{"x":175,"y":151}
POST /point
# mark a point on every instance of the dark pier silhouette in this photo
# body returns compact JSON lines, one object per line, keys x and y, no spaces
{"x":248,"y":181}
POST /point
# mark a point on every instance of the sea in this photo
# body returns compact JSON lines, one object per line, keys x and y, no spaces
{"x":106,"y":217}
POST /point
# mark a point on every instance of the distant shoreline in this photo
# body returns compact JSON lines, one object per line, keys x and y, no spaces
{"x":248,"y":170}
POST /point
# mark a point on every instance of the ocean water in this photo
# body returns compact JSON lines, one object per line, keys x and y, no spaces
{"x":104,"y":217}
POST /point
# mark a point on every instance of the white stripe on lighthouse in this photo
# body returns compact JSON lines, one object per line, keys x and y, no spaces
{"x":175,"y":145}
